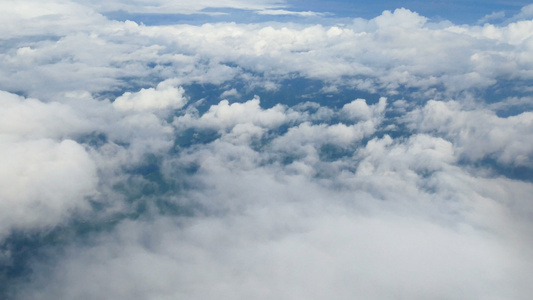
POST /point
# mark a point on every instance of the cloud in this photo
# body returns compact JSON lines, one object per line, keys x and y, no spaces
{"x":31,"y":118}
{"x":45,"y":175}
{"x":43,"y":182}
{"x":162,"y":97}
{"x":526,"y":13}
{"x":368,"y":54}
{"x":402,"y":18}
{"x":282,"y":12}
{"x":230,"y":93}
{"x":33,"y":18}
{"x":479,"y":134}
{"x":165,"y":6}
{"x":359,"y":109}
{"x":388,"y":57}
{"x":497,"y":15}
{"x":55,"y":155}
{"x":225,"y":116}
{"x":416,"y":224}
{"x":206,"y":259}
{"x":371,"y":163}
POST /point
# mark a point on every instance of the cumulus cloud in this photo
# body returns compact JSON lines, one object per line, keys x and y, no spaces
{"x":51,"y":166}
{"x":43,"y":182}
{"x":388,"y":57}
{"x":161,"y":98}
{"x":360,"y":110}
{"x":31,"y":118}
{"x":226,"y":116}
{"x":372,"y":162}
{"x":479,"y":134}
{"x":45,"y":175}
{"x":267,"y":232}
{"x":402,"y":18}
{"x":230,"y":93}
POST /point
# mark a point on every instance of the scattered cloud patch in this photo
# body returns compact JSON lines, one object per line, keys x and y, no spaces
{"x":497,"y":15}
{"x":165,"y":6}
{"x":282,"y":12}
{"x":163,"y":97}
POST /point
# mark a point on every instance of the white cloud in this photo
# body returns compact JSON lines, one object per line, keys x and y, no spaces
{"x":368,"y":119}
{"x":390,"y":55}
{"x":273,"y":234}
{"x":97,"y":56}
{"x":163,"y":97}
{"x":358,"y":109}
{"x":45,"y":176}
{"x":283,"y":12}
{"x":526,"y":13}
{"x":479,"y":134}
{"x":31,"y":18}
{"x":230,"y":93}
{"x":42,"y":182}
{"x":31,"y":118}
{"x":497,"y":15}
{"x":402,"y":18}
{"x":225,"y":116}
{"x":335,"y":256}
{"x":180,"y":7}
{"x":336,"y":199}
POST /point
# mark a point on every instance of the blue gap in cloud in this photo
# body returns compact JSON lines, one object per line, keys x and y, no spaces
{"x":291,"y":91}
{"x":505,"y":88}
{"x":457,"y":11}
{"x":522,"y":173}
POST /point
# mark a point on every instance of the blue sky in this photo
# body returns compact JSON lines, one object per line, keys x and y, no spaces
{"x":461,"y":12}
{"x":457,"y":11}
{"x":264,"y":149}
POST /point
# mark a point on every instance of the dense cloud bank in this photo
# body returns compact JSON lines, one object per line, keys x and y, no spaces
{"x":388,"y":158}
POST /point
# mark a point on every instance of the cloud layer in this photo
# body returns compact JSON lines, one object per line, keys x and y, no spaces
{"x":375,"y":159}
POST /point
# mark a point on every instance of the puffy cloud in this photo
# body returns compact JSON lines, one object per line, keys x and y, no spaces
{"x":402,"y":18}
{"x":391,"y":56}
{"x":360,"y":110}
{"x":414,"y":55}
{"x":265,"y":229}
{"x":196,"y":195}
{"x":45,"y":175}
{"x":31,"y":118}
{"x":42,"y":182}
{"x":161,"y":98}
{"x":57,"y":156}
{"x":416,"y":225}
{"x":479,"y":134}
{"x":225,"y":116}
{"x":230,"y":93}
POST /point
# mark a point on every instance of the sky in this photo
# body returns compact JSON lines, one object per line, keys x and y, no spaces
{"x":317,"y":11}
{"x":266,"y":149}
